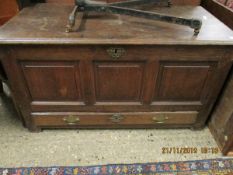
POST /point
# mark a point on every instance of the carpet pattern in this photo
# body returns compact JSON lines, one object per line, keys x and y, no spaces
{"x":200,"y":167}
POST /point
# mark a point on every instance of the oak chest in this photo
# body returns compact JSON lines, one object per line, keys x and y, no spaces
{"x":115,"y":71}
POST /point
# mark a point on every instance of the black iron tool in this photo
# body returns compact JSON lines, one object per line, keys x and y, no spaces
{"x":123,"y":9}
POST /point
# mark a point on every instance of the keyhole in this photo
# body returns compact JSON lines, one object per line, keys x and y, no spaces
{"x":115,"y":53}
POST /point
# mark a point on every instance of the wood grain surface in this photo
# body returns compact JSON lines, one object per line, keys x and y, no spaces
{"x":45,"y":24}
{"x":221,"y":123}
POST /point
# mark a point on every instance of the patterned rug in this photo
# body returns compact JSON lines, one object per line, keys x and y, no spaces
{"x":200,"y":167}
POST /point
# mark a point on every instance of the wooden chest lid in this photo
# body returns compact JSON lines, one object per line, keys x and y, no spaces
{"x":45,"y":24}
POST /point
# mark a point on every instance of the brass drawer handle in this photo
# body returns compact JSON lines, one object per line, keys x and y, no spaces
{"x":71,"y":120}
{"x":160,"y":119}
{"x":116,"y":118}
{"x":115,"y":52}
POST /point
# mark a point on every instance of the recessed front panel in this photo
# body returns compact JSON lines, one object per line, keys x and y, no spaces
{"x":53,"y":81}
{"x":182,"y":81}
{"x":118,"y":81}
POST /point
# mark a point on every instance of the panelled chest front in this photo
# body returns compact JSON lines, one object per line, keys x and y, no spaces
{"x":116,"y":71}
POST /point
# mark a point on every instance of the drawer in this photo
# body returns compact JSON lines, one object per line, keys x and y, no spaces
{"x":118,"y":119}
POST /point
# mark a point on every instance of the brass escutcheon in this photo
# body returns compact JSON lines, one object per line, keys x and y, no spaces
{"x":116,"y":52}
{"x":71,"y":120}
{"x":116,"y":118}
{"x":160,"y":118}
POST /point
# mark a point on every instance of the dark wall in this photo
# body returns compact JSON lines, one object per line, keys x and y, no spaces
{"x":39,"y":1}
{"x":24,"y":3}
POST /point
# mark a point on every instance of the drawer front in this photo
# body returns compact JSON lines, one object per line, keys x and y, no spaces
{"x":119,"y":119}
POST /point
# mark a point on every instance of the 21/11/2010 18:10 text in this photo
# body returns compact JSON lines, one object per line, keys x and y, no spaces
{"x":190,"y":150}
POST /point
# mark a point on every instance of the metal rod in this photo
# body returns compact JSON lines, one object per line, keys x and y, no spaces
{"x":193,"y":23}
{"x":71,"y":21}
{"x":137,"y":2}
{"x":119,"y":8}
